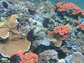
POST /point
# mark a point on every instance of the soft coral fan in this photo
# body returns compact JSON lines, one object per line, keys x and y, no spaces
{"x":26,"y":58}
{"x":62,"y":30}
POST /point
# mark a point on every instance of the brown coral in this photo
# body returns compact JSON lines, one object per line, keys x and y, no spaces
{"x":55,"y":40}
{"x":14,"y":43}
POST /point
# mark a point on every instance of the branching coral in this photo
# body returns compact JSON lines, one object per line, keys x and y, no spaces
{"x":62,"y":7}
{"x":62,"y":30}
{"x":26,"y":58}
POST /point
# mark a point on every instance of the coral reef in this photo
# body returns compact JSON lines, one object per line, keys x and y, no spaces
{"x":9,"y":30}
{"x":76,"y":57}
{"x":47,"y":56}
{"x":62,"y":30}
{"x":82,"y":27}
{"x":62,"y":7}
{"x":36,"y":31}
{"x":45,"y":6}
{"x":24,"y":57}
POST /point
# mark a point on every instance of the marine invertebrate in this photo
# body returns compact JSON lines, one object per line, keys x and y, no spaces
{"x":54,"y":39}
{"x":4,"y":59}
{"x":57,"y":43}
{"x":17,"y":8}
{"x":62,"y":30}
{"x":82,"y":27}
{"x":81,"y":31}
{"x":76,"y":57}
{"x":49,"y":23}
{"x":9,"y":26}
{"x":64,"y":7}
{"x":9,"y":30}
{"x":44,"y":7}
{"x":48,"y":55}
{"x":24,"y":58}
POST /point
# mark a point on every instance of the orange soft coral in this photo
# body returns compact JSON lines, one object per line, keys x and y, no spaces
{"x":61,"y":6}
{"x":62,"y":30}
{"x":27,"y":57}
{"x":82,"y":26}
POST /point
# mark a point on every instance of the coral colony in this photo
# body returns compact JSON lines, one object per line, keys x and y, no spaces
{"x":38,"y":31}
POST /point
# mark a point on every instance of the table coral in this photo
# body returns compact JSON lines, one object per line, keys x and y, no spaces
{"x":26,"y":58}
{"x":62,"y":30}
{"x":14,"y":44}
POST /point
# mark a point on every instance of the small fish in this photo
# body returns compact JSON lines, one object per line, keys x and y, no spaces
{"x":5,"y":4}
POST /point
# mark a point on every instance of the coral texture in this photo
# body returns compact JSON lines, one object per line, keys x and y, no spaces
{"x":14,"y":44}
{"x":61,"y":7}
{"x":47,"y":55}
{"x":27,"y":57}
{"x":82,"y":27}
{"x":62,"y":30}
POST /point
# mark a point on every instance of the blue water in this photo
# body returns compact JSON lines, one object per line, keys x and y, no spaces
{"x":79,"y":3}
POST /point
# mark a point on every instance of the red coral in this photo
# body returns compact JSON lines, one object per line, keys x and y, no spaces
{"x":82,"y":26}
{"x":62,"y":30}
{"x":27,"y":57}
{"x":61,"y":6}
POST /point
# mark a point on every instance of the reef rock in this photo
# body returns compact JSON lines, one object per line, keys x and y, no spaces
{"x":61,"y":61}
{"x":76,"y":57}
{"x":44,"y":6}
{"x":55,"y":39}
{"x":14,"y":44}
{"x":48,"y":55}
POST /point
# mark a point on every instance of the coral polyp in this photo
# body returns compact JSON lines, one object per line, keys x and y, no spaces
{"x":62,"y":30}
{"x":25,"y":57}
{"x":63,"y":7}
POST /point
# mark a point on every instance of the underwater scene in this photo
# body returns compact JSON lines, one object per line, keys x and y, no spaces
{"x":41,"y":31}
